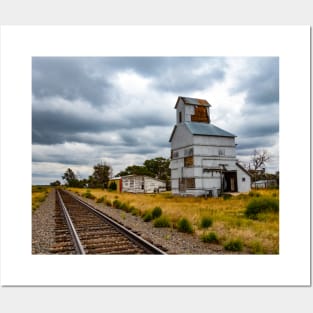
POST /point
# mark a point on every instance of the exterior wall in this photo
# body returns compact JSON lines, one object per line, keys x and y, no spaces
{"x":133,"y":183}
{"x":181,"y":138}
{"x":243,"y":180}
{"x":184,"y":112}
{"x":207,"y":153}
{"x":118,"y":182}
{"x":153,"y":185}
{"x":142,"y":184}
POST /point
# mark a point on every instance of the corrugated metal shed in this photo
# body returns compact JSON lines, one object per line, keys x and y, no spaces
{"x":205,"y":129}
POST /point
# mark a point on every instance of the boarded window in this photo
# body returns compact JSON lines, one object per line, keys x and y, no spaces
{"x":190,"y":182}
{"x":201,"y":115}
{"x":185,"y":183}
{"x":188,"y":161}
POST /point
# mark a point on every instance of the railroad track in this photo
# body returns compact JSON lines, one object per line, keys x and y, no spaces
{"x":82,"y":229}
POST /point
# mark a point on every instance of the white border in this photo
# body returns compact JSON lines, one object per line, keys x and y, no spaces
{"x":290,"y":43}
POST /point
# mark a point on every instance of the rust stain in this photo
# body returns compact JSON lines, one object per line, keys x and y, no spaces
{"x":201,"y":115}
{"x":203,"y":102}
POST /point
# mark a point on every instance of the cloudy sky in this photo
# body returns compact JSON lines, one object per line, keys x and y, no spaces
{"x":120,"y":110}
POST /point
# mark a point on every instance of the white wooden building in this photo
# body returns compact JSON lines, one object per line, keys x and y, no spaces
{"x":142,"y":184}
{"x":203,"y":156}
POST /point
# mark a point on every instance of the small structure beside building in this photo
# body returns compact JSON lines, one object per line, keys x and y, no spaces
{"x":115,"y":183}
{"x":265,"y":183}
{"x":139,"y":184}
{"x":203,"y":156}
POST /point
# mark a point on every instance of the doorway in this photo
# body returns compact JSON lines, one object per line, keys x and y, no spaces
{"x":230,"y":181}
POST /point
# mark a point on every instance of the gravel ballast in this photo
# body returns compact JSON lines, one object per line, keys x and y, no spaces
{"x":167,"y":239}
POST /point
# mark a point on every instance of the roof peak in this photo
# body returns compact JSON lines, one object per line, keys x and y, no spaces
{"x":193,"y":101}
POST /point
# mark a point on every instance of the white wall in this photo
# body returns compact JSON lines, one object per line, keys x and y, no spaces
{"x":141,"y":184}
{"x":243,"y":180}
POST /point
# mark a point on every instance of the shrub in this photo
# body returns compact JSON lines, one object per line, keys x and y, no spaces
{"x":206,"y":222}
{"x":134,"y":211}
{"x":184,"y":226}
{"x":162,"y":221}
{"x":261,"y":205}
{"x":108,"y":202}
{"x":88,"y":195}
{"x":209,"y":237}
{"x":147,"y":217}
{"x":101,"y":200}
{"x":257,"y":248}
{"x":117,"y":204}
{"x":233,"y":245}
{"x":125,"y":207}
{"x":156,"y":212}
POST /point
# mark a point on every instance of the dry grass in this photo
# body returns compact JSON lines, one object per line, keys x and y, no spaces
{"x":39,"y":194}
{"x":229,"y":221}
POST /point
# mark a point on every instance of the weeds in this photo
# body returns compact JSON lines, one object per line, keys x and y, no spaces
{"x":88,"y":195}
{"x":162,"y":221}
{"x":101,"y":200}
{"x":156,"y":212}
{"x":185,"y":226}
{"x":147,"y":217}
{"x":229,"y":217}
{"x":261,"y":205}
{"x":206,"y":222}
{"x":210,"y":237}
{"x":233,"y":245}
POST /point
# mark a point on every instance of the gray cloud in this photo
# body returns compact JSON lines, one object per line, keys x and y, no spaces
{"x":69,"y":78}
{"x":260,"y":80}
{"x":120,"y":109}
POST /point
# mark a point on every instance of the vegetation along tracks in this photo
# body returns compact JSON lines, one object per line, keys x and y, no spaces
{"x":82,"y":229}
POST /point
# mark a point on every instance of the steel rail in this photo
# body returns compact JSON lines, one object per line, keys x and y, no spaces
{"x":146,"y":245}
{"x":77,"y":243}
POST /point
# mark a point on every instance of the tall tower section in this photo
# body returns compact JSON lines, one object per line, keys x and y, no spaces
{"x":203,"y":156}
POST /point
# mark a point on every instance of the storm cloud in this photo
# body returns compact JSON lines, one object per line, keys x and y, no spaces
{"x":120,"y":110}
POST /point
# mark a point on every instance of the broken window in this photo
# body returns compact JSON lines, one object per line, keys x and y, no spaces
{"x":201,"y":115}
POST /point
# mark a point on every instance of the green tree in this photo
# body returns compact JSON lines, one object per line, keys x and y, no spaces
{"x":156,"y":168}
{"x":71,"y":179}
{"x":101,"y":175}
{"x":55,"y":183}
{"x":135,"y":170}
{"x":159,"y":167}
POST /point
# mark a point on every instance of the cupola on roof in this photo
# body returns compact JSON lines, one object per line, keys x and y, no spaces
{"x":193,"y":101}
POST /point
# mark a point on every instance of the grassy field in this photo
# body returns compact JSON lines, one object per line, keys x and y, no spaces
{"x":39,"y":194}
{"x":221,"y":220}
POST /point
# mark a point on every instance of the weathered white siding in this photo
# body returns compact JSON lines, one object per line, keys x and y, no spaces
{"x":142,"y":184}
{"x":182,"y":137}
{"x":243,"y":180}
{"x":203,"y":156}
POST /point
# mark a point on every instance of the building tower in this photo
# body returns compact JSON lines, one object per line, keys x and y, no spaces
{"x":203,"y":156}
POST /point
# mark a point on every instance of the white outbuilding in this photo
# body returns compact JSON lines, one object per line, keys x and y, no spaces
{"x":203,"y":156}
{"x":142,"y":184}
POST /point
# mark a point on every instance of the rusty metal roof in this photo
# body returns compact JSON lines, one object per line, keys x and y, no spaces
{"x":203,"y":129}
{"x":206,"y":129}
{"x":193,"y":101}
